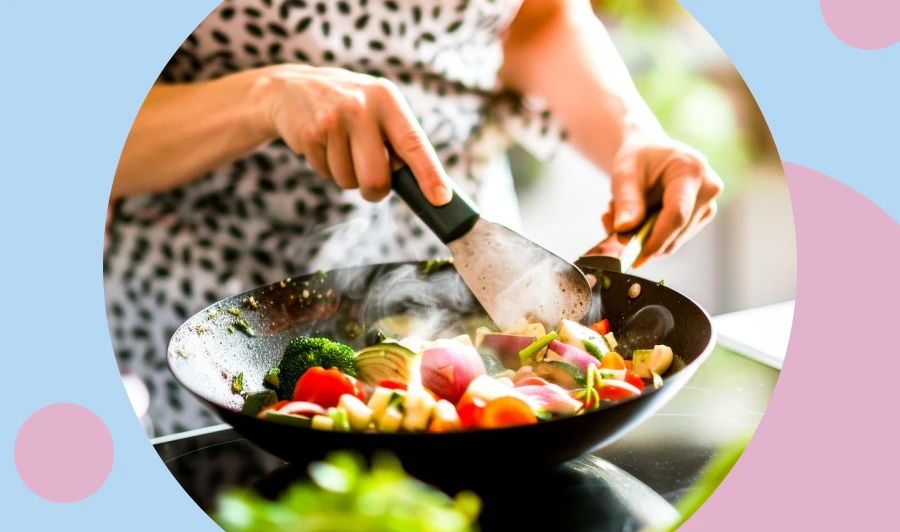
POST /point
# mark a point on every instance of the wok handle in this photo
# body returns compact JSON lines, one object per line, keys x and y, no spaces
{"x":448,"y":222}
{"x":619,"y":251}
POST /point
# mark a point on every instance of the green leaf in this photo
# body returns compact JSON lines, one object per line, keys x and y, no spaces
{"x":346,"y":497}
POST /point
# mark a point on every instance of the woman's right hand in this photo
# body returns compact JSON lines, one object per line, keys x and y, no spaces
{"x":346,"y":125}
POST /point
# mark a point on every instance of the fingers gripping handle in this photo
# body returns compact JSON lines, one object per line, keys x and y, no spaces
{"x":619,"y":251}
{"x":448,"y":222}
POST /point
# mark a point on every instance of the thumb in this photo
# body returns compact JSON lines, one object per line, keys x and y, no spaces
{"x":628,"y":201}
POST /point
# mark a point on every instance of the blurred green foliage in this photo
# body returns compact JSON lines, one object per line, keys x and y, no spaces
{"x":342,"y":495}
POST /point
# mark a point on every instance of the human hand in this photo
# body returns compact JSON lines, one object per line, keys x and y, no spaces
{"x":649,"y":170}
{"x":347,"y":125}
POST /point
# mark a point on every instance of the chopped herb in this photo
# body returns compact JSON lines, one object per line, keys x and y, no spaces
{"x":543,"y":415}
{"x":662,"y":282}
{"x":435,"y":264}
{"x":251,"y":302}
{"x":230,"y":330}
{"x":234,"y":311}
{"x":237,"y":383}
{"x":212,"y":314}
{"x":182,"y":353}
{"x":607,"y":282}
{"x":320,"y":275}
{"x":272,"y":377}
{"x":242,"y":325}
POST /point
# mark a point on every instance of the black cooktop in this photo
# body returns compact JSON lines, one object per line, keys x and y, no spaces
{"x":588,"y":494}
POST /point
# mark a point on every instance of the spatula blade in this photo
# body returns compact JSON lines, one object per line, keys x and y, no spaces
{"x":514,"y":278}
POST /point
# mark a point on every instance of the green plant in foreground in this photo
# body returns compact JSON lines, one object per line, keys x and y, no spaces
{"x":342,"y":496}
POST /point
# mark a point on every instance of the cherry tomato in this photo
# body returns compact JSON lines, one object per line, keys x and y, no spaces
{"x":601,"y":327}
{"x":614,"y":393}
{"x":612,"y":360}
{"x":325,"y":387}
{"x":506,"y":412}
{"x":634,"y":379}
{"x":628,"y":364}
{"x":470,"y":412}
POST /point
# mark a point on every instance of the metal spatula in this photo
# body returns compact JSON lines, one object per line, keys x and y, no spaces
{"x":511,"y":276}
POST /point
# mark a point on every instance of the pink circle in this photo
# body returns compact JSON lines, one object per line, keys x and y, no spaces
{"x":864,"y":24}
{"x":63,"y":453}
{"x":824,"y":455}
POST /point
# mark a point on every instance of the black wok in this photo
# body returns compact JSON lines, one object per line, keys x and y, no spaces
{"x":206,"y":353}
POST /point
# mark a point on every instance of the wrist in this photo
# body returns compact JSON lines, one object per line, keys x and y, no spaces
{"x":641,"y":123}
{"x":261,"y":93}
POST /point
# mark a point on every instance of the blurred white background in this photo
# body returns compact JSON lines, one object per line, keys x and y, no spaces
{"x":747,"y":257}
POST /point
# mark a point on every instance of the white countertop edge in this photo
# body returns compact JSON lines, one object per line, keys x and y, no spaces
{"x":741,"y":332}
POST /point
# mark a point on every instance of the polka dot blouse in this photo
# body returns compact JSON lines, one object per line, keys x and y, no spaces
{"x":268,"y":216}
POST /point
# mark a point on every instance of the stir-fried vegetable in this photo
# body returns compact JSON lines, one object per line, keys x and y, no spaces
{"x":506,"y":412}
{"x":450,"y":369}
{"x":522,"y":376}
{"x":656,"y":360}
{"x":325,"y":387}
{"x":387,"y":360}
{"x":308,"y":352}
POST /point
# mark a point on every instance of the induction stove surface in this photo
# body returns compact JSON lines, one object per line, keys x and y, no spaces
{"x":584,"y":495}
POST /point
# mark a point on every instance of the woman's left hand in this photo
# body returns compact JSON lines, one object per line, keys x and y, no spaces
{"x":649,"y":170}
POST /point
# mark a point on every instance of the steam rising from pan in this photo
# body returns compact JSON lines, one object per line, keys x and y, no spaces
{"x":434,"y":301}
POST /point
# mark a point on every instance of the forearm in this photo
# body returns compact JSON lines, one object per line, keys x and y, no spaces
{"x":559,"y":51}
{"x":183,"y":131}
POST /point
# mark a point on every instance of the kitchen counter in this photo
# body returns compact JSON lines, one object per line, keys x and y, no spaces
{"x":725,"y":399}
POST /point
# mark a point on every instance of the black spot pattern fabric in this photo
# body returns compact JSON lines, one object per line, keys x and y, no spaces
{"x":268,"y":216}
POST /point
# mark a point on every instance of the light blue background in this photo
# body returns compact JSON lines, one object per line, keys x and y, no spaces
{"x":73,"y":77}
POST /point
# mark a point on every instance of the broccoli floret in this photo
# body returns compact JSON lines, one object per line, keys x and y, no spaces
{"x":309,"y":352}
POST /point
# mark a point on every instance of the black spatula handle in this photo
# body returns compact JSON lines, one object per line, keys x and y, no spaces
{"x":448,"y":222}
